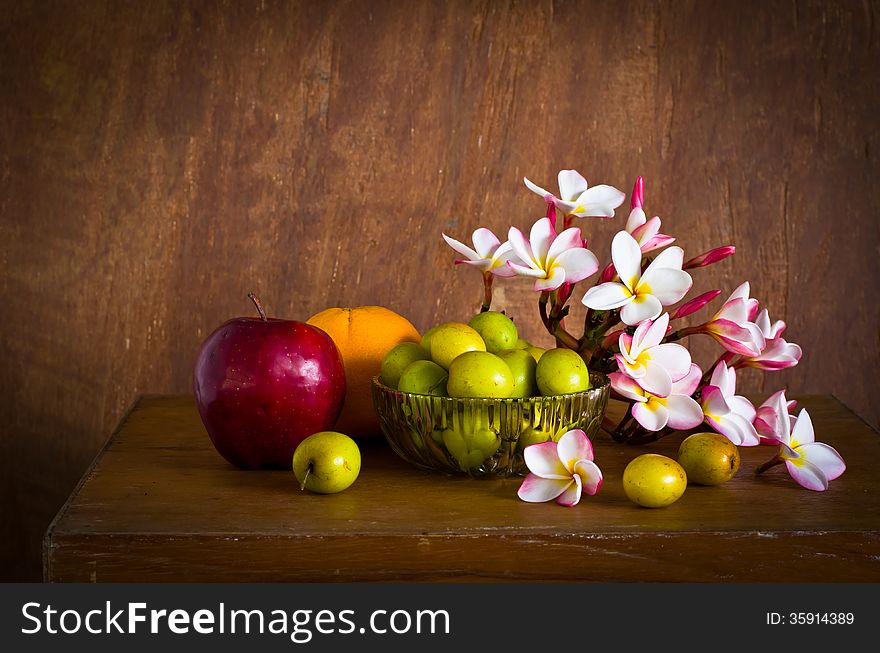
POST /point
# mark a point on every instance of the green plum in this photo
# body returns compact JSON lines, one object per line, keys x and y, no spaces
{"x":398,"y":359}
{"x":423,"y":378}
{"x":496,"y":329}
{"x":522,"y":344}
{"x":562,"y":371}
{"x":426,"y":339}
{"x":471,"y":445}
{"x":480,"y":374}
{"x":532,"y":436}
{"x":452,"y":339}
{"x":536,"y":352}
{"x":523,"y":366}
{"x":326,"y":462}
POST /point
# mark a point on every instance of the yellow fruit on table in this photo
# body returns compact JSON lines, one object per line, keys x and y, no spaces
{"x":654,"y":481}
{"x":363,"y":335}
{"x":708,"y":458}
{"x":326,"y":462}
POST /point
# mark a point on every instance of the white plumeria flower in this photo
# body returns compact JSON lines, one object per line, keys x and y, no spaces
{"x":652,"y":365}
{"x":776,"y":354}
{"x":550,"y":258}
{"x":677,"y":410}
{"x":646,"y":232}
{"x":732,"y":326}
{"x":577,"y":198}
{"x":560,"y":471}
{"x":812,"y":464}
{"x":488,"y":255}
{"x":728,"y":413}
{"x":640,"y":295}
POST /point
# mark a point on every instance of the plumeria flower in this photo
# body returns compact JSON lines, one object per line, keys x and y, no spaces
{"x":654,"y":366}
{"x":488,"y":254}
{"x":767,"y":416}
{"x":811,"y":464}
{"x":577,"y":198}
{"x":640,"y":295}
{"x":732,"y":326}
{"x":677,"y":410}
{"x":550,"y":258}
{"x":560,"y":470}
{"x":777,"y":354}
{"x":646,"y":232}
{"x":728,"y":413}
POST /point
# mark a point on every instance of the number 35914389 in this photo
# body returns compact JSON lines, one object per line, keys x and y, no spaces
{"x":810,"y":618}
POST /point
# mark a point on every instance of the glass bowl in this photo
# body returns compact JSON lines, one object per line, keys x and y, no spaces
{"x":482,"y":437}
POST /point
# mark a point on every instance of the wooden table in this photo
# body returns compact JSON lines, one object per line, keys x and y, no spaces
{"x":159,"y":504}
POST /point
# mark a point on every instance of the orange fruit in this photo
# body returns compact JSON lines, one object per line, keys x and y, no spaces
{"x":363,"y":335}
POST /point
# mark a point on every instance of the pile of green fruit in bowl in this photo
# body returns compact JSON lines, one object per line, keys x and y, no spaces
{"x":470,"y":397}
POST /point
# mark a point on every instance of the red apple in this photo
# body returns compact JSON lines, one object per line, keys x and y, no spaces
{"x":263,"y":385}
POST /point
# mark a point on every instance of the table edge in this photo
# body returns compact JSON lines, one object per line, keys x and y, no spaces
{"x":65,"y":507}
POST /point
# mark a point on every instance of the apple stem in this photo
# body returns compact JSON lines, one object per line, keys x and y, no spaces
{"x":302,"y":485}
{"x":259,"y":306}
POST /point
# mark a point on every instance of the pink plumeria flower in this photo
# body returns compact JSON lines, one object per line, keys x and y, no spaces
{"x":777,"y":354}
{"x":677,"y":410}
{"x":728,"y":413}
{"x":811,"y":464}
{"x":654,"y":366}
{"x":640,"y":295}
{"x":488,"y":254}
{"x":646,"y":232}
{"x":560,"y":470}
{"x":550,"y":258}
{"x":577,"y":198}
{"x":767,"y":416}
{"x":732,"y":326}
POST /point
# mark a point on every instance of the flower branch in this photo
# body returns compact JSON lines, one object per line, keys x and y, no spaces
{"x":664,"y":389}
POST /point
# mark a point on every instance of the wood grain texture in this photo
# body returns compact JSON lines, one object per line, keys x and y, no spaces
{"x":158,"y":160}
{"x":161,"y":504}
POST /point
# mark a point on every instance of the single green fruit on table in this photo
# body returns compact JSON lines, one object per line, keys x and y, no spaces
{"x":452,"y":339}
{"x":477,"y":374}
{"x":326,"y":462}
{"x":708,"y":458}
{"x":398,"y":359}
{"x":523,"y":367}
{"x":423,"y":378}
{"x":561,"y":372}
{"x":654,"y":481}
{"x":496,"y":329}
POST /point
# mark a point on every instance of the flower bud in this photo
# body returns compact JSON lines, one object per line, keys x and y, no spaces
{"x":695,"y":304}
{"x":710,"y":257}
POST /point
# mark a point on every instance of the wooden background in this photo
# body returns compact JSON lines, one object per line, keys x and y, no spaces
{"x":158,"y":160}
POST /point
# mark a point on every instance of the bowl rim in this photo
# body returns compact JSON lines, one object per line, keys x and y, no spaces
{"x":593,"y":391}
